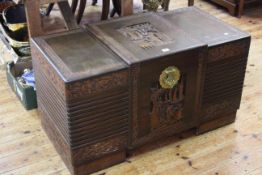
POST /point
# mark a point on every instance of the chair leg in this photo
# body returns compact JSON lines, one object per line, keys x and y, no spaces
{"x":117,"y":8}
{"x":94,"y":2}
{"x":165,"y":5}
{"x":113,"y":12}
{"x":49,"y":9}
{"x":74,"y":6}
{"x":67,"y":15}
{"x":105,"y":9}
{"x":144,"y":7}
{"x":190,"y":2}
{"x":81,"y":11}
{"x":240,"y":8}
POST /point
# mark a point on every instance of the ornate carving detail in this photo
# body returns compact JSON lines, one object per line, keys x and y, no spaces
{"x":144,"y":35}
{"x":100,"y":149}
{"x":211,"y":111}
{"x":167,"y":104}
{"x":228,"y":50}
{"x":98,"y":84}
{"x":166,"y":108}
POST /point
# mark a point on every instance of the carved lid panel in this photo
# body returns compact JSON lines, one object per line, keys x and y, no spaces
{"x":143,"y":37}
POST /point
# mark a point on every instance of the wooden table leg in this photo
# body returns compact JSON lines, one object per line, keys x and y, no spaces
{"x":240,"y":8}
{"x":33,"y":18}
{"x":94,"y":2}
{"x":67,"y":15}
{"x":190,"y":2}
{"x":105,"y":9}
{"x":165,"y":5}
{"x":126,"y":7}
{"x":49,"y":9}
{"x":74,"y":5}
{"x":116,"y":8}
{"x":81,"y":10}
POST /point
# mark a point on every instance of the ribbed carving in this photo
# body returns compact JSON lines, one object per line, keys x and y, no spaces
{"x":99,"y":117}
{"x":224,"y":79}
{"x":89,"y":120}
{"x":223,"y":87}
{"x":53,"y":103}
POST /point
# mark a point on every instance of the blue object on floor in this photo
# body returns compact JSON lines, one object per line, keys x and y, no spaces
{"x":29,"y":78}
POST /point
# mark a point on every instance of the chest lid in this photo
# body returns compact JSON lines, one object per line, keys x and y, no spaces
{"x":143,"y":37}
{"x":203,"y":26}
{"x":78,"y":55}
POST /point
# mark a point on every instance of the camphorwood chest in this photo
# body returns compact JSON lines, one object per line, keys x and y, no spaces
{"x":116,"y":85}
{"x":225,"y":68}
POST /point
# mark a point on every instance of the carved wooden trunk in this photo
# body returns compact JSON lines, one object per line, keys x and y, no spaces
{"x":119,"y":84}
{"x":150,"y":45}
{"x":83,"y":97}
{"x":225,"y":69}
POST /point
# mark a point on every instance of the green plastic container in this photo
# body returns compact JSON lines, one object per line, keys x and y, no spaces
{"x":26,"y":94}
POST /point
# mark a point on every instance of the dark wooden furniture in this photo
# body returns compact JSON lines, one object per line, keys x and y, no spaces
{"x":34,"y":20}
{"x":226,"y":64}
{"x":117,"y":85}
{"x":82,"y":6}
{"x":190,"y":2}
{"x":235,"y":7}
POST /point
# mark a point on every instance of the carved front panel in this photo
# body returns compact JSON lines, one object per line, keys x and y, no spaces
{"x":164,"y":97}
{"x":166,"y":104}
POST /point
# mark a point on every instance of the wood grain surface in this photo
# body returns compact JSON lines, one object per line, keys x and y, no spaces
{"x":232,"y":150}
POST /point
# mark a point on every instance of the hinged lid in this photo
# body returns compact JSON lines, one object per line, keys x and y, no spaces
{"x":143,"y":37}
{"x":78,"y":55}
{"x":203,"y":26}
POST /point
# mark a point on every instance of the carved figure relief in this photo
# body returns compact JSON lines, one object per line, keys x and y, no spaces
{"x":167,"y":103}
{"x":145,"y":35}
